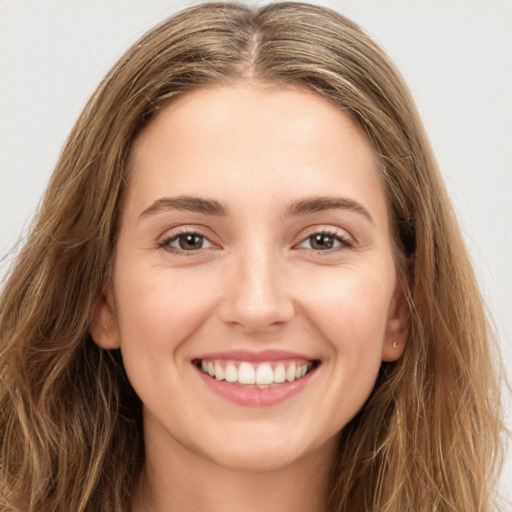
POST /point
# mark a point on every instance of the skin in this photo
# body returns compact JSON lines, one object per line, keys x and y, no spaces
{"x":257,"y":282}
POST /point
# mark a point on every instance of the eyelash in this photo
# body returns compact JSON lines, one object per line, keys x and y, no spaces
{"x":166,"y":242}
{"x":345,"y":242}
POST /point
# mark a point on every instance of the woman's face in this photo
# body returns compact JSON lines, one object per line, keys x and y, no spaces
{"x":254,"y":246}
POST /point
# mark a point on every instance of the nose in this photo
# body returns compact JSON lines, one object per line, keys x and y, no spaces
{"x":255,"y":298}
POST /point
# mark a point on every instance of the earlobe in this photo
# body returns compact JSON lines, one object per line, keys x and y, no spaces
{"x":398,"y":327}
{"x":104,"y":327}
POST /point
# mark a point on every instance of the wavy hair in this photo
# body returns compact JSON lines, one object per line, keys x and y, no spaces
{"x":428,"y":437}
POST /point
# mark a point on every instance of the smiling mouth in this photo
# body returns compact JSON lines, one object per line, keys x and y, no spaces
{"x":255,"y":375}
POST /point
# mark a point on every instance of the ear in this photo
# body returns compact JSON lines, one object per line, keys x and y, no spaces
{"x":398,"y":326}
{"x":104,"y":328}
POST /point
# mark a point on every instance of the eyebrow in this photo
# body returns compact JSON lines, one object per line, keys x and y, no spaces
{"x":208,"y":206}
{"x":187,"y":203}
{"x":319,"y":204}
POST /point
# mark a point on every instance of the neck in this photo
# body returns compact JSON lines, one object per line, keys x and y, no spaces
{"x":181,"y":480}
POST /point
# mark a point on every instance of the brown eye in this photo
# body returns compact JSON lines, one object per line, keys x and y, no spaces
{"x":324,"y":241}
{"x":185,"y":243}
{"x":321,"y":241}
{"x":190,"y":241}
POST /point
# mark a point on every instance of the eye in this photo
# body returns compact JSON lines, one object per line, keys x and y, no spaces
{"x":325,"y":241}
{"x":186,"y":242}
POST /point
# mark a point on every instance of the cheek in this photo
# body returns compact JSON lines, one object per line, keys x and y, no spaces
{"x":351,"y":307}
{"x":351,"y":318}
{"x":158,"y":310}
{"x":351,"y":314}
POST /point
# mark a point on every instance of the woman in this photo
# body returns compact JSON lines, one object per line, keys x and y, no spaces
{"x":246,"y":287}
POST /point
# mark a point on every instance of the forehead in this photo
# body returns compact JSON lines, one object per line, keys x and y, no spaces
{"x":252,"y":141}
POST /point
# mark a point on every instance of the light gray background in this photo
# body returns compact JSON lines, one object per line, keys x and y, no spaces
{"x":455,"y":54}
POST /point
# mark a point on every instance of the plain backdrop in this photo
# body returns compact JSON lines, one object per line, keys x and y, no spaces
{"x":455,"y":54}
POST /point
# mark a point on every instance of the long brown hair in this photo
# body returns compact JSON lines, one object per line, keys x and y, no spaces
{"x":70,"y":423}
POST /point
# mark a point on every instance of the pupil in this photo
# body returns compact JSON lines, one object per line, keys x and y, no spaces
{"x":191,"y":241}
{"x":322,"y":241}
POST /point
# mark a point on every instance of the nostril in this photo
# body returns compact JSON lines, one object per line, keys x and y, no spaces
{"x":257,"y":318}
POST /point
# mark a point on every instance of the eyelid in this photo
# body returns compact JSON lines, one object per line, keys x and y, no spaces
{"x":177,"y":237}
{"x":172,"y":234}
{"x":347,"y":241}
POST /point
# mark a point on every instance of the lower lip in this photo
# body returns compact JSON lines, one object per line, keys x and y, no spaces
{"x":256,"y":397}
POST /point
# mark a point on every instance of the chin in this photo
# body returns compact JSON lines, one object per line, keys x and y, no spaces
{"x":252,"y":460}
{"x":266,"y":452}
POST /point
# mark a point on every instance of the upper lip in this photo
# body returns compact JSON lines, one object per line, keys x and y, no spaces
{"x":256,"y":356}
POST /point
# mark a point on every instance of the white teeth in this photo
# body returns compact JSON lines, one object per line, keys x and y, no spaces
{"x":231,"y":373}
{"x":264,"y":374}
{"x":279,"y":373}
{"x":259,"y":375}
{"x":290,"y":373}
{"x":219,"y":371}
{"x":246,"y":374}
